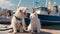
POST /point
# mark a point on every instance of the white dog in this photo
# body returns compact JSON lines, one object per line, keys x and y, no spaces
{"x":35,"y":23}
{"x":18,"y":19}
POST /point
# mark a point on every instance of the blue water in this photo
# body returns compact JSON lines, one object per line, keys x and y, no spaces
{"x":53,"y":27}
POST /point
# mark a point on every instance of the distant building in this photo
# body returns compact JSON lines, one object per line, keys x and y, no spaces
{"x":4,"y":12}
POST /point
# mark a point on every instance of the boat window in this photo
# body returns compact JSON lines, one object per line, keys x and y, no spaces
{"x":44,"y":9}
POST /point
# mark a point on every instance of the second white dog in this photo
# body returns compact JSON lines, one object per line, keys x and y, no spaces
{"x":35,"y":24}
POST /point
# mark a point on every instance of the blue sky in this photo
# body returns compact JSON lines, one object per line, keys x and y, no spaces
{"x":12,"y":4}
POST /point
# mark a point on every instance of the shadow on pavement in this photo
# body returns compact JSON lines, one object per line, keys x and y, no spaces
{"x":45,"y":32}
{"x":36,"y":33}
{"x":5,"y":32}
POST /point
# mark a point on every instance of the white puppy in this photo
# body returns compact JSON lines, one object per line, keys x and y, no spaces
{"x":18,"y":19}
{"x":35,"y":23}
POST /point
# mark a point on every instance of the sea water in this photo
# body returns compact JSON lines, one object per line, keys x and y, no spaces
{"x":54,"y":27}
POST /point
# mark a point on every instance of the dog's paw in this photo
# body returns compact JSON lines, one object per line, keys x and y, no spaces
{"x":14,"y":33}
{"x":10,"y":31}
{"x":38,"y":33}
{"x":32,"y":32}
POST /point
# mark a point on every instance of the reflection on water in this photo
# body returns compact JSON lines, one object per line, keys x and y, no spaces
{"x":55,"y":27}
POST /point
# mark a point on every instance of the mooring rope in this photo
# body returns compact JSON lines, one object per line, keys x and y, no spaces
{"x":4,"y":29}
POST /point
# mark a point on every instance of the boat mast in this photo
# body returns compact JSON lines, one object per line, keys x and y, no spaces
{"x":19,"y":4}
{"x":48,"y":3}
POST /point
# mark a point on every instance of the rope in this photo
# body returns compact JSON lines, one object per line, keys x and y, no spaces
{"x":4,"y":29}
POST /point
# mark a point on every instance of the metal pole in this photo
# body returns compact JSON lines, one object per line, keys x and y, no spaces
{"x":19,"y":4}
{"x":46,"y":4}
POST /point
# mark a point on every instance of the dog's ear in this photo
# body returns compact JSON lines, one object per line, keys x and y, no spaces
{"x":35,"y":13}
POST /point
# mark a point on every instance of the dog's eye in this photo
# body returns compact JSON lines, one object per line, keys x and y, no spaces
{"x":24,"y":13}
{"x":20,"y":10}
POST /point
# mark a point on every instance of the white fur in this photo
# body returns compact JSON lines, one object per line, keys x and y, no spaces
{"x":15,"y":24}
{"x":35,"y":23}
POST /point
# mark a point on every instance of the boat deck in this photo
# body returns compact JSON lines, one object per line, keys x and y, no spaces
{"x":43,"y":31}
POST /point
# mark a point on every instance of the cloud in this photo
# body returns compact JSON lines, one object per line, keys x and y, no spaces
{"x":6,"y":4}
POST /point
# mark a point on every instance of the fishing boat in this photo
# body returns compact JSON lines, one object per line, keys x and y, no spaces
{"x":47,"y":15}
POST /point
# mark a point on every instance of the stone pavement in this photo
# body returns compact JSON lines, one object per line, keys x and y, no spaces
{"x":43,"y":31}
{"x":5,"y":32}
